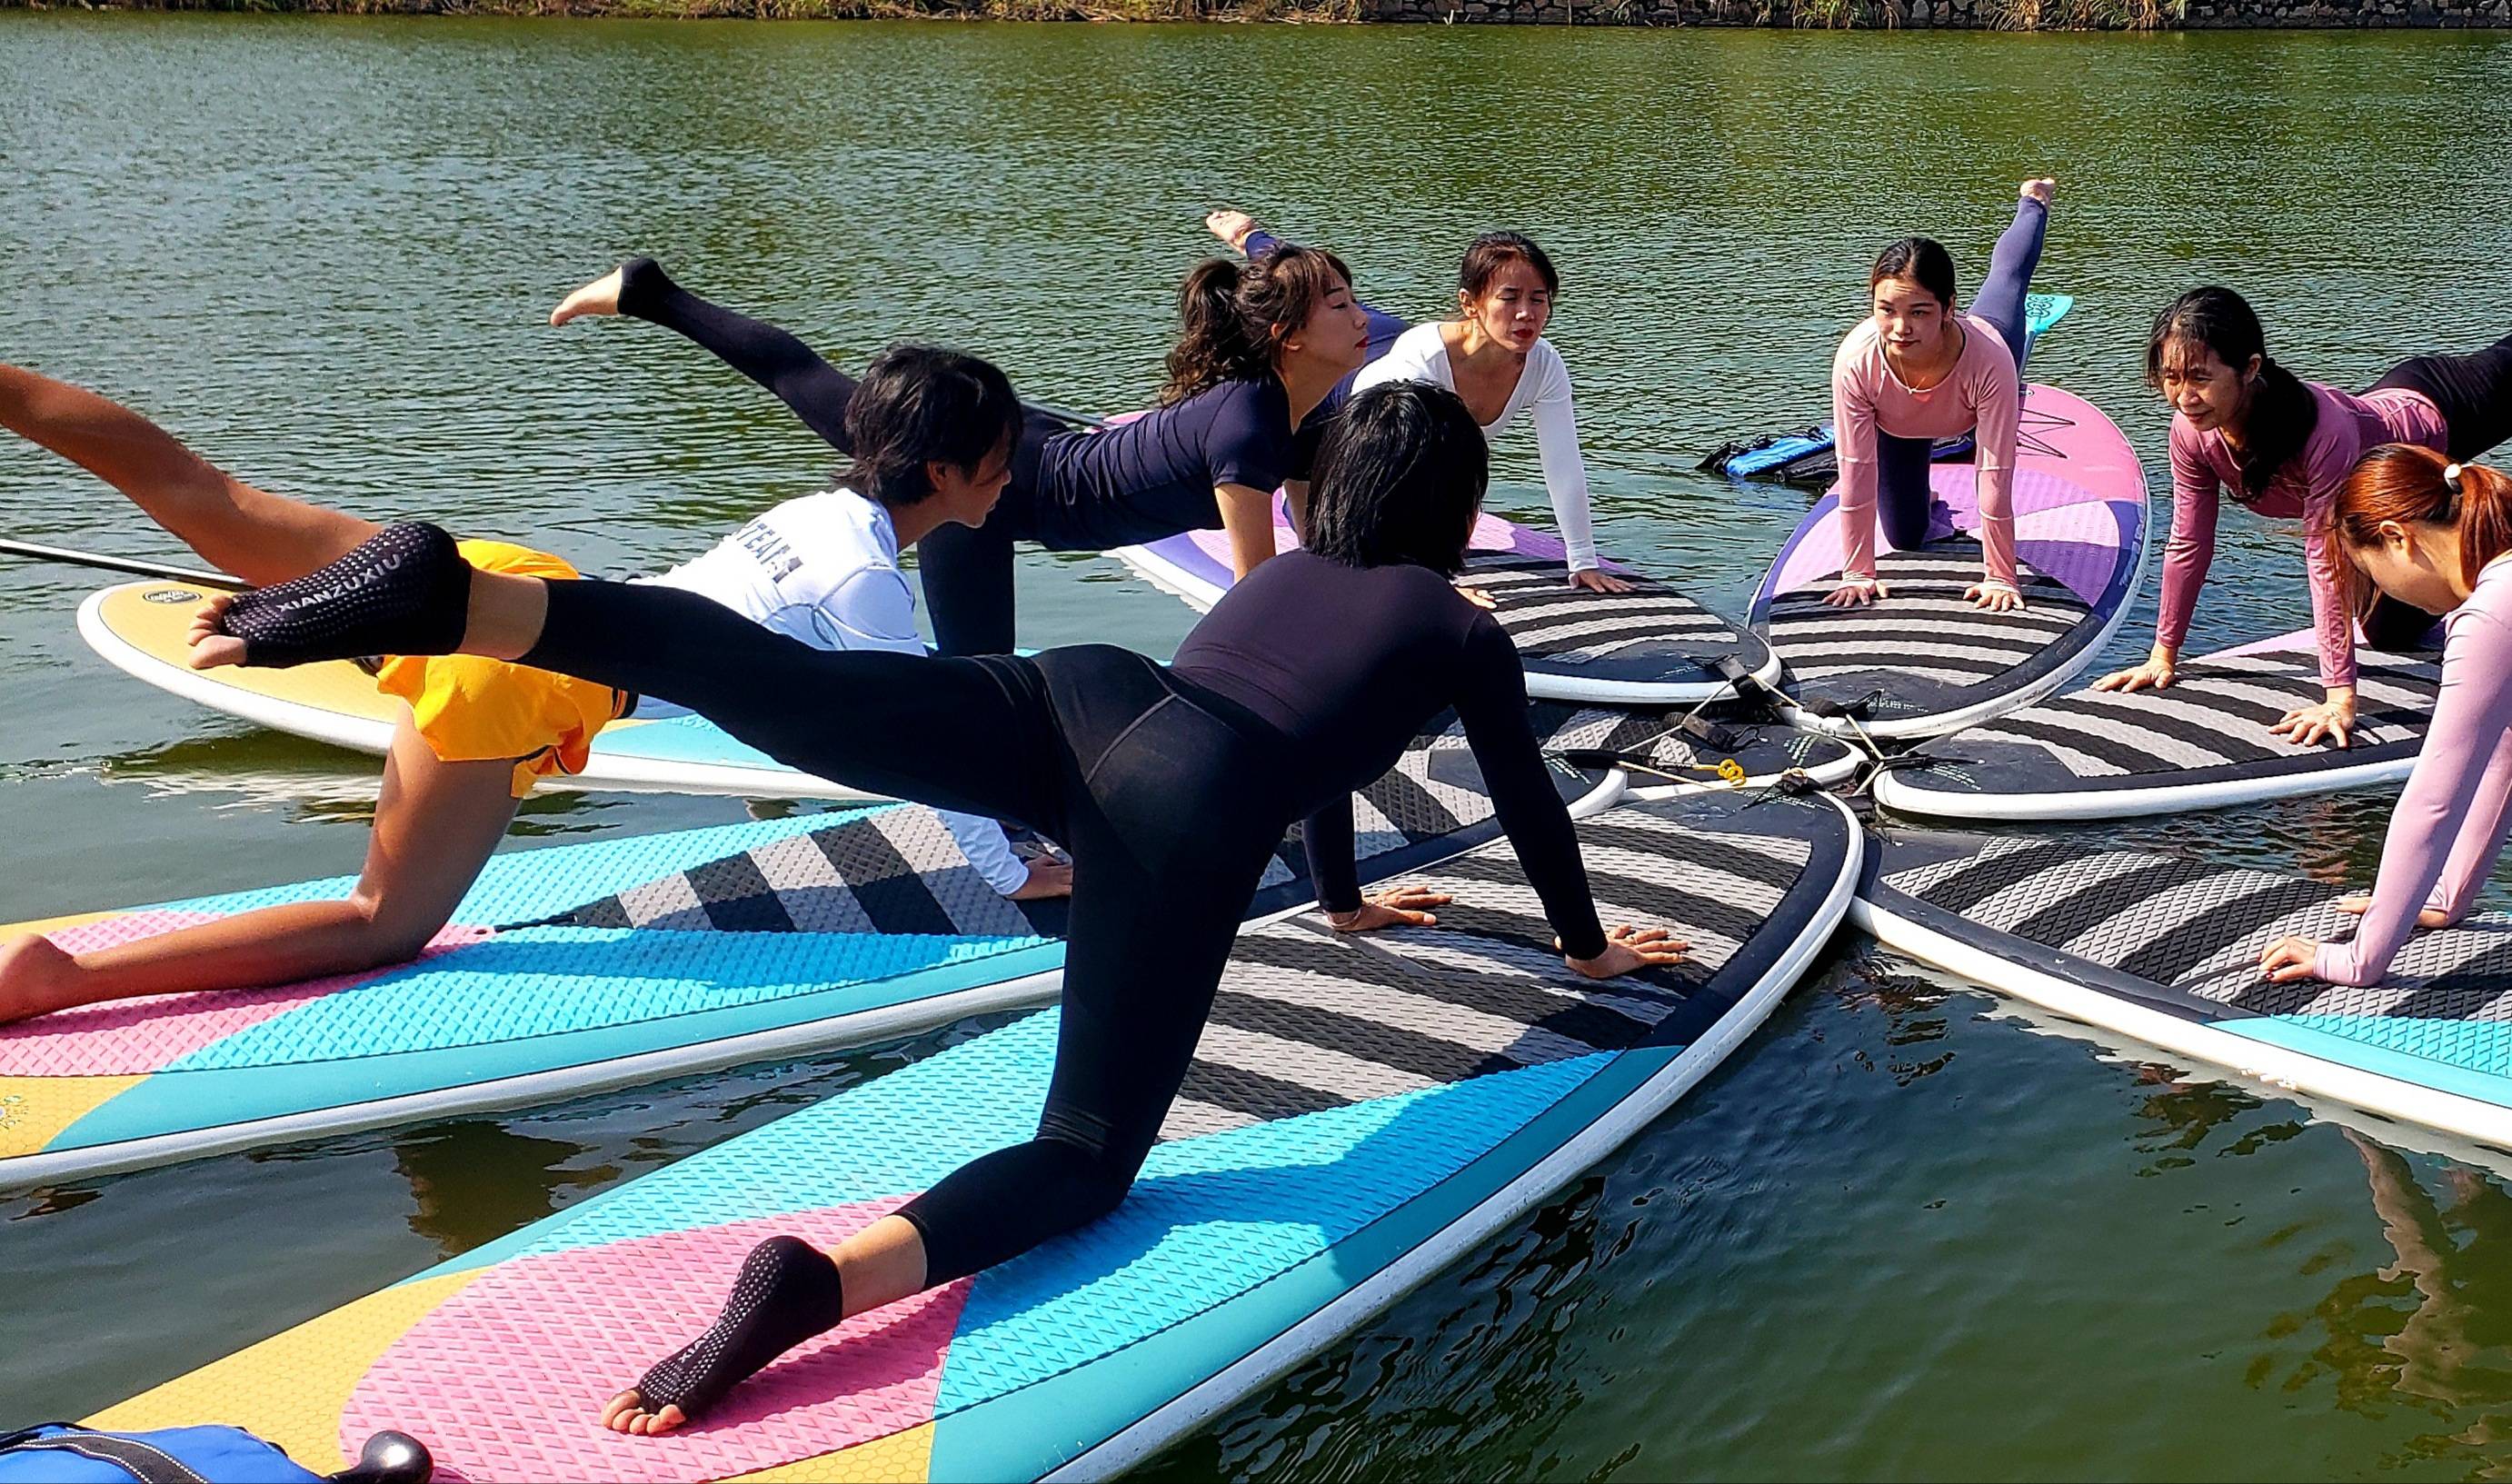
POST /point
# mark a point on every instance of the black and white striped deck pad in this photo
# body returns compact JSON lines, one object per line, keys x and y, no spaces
{"x":2186,"y":936}
{"x":1308,"y":1019}
{"x":1925,"y":646}
{"x":2209,"y":728}
{"x":895,"y":869}
{"x":1574,"y":631}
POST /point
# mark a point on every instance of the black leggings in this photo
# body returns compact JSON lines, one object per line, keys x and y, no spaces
{"x":1167,"y":801}
{"x":2474,"y":392}
{"x":967,"y":571}
{"x":1903,"y":492}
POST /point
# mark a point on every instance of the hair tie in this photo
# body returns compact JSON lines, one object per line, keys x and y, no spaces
{"x":2451,"y":477}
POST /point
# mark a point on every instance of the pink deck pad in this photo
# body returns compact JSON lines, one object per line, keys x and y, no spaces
{"x":132,"y":1038}
{"x":508,"y":1377}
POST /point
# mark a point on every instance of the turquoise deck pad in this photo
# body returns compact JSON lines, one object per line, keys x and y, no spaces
{"x":1361,"y":1108}
{"x":679,"y":949}
{"x":2186,"y":936}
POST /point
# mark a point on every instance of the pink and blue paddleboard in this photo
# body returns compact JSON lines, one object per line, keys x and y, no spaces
{"x":1361,"y":1112}
{"x":579,"y":968}
{"x":1923,"y":661}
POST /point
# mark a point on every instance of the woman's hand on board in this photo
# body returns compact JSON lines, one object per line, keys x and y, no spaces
{"x":1995,"y":597}
{"x":1630,"y":949}
{"x":1403,"y":906}
{"x":1595,"y":581}
{"x":2334,"y":718}
{"x":1856,"y":592}
{"x":2158,"y":673}
{"x":2289,"y":959}
{"x":2357,"y":906}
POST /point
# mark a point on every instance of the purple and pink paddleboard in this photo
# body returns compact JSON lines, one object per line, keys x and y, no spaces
{"x":1923,"y":661}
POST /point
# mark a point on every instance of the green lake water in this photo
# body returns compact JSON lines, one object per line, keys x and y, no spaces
{"x":1909,"y":1233}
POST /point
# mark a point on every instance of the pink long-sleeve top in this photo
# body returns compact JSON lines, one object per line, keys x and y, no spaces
{"x":2204,"y":465}
{"x":1982,"y":395}
{"x":2450,"y":823}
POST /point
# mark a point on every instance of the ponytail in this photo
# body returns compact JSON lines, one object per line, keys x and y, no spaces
{"x":1232,"y":317}
{"x":2415,"y":486}
{"x":2282,"y":414}
{"x":2283,"y":411}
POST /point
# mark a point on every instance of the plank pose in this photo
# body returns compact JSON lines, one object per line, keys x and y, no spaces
{"x":2283,"y":446}
{"x":1170,"y":784}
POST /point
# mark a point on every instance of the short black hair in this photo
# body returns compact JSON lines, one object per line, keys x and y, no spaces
{"x":1399,"y":478}
{"x":920,"y":404}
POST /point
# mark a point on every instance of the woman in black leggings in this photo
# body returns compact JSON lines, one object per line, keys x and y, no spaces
{"x":1169,"y":786}
{"x":1259,"y":346}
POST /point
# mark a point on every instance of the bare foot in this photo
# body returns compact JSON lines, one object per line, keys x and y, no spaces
{"x":211,"y":645}
{"x":600,"y":297}
{"x":2040,"y":190}
{"x":627,"y":1414}
{"x":1232,"y":225}
{"x":37,"y":978}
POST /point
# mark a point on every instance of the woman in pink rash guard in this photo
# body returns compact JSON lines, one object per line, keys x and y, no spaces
{"x":2241,"y":422}
{"x":1916,"y":370}
{"x":2436,"y":536}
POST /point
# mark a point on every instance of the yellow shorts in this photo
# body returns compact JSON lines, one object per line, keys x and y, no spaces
{"x":469,"y":709}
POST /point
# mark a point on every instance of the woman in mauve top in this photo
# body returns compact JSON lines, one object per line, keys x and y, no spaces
{"x":1916,"y":370}
{"x":2283,"y":446}
{"x":1494,"y":355}
{"x":2436,"y":536}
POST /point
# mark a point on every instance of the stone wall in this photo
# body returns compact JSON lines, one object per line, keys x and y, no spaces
{"x":2169,"y":15}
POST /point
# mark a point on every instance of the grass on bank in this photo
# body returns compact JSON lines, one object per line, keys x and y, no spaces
{"x":1826,"y":15}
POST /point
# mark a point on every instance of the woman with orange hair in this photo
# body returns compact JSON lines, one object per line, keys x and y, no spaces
{"x":2437,"y":535}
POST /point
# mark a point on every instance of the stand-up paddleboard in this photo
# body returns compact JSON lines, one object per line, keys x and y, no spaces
{"x":2202,"y":744}
{"x":1362,"y":1112}
{"x":1924,"y":661}
{"x":1812,"y":457}
{"x":2166,"y":948}
{"x":582,"y":968}
{"x":141,"y":626}
{"x":1649,"y":647}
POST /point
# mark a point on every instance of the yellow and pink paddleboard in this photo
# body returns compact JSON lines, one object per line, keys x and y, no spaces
{"x":1360,"y":1112}
{"x":141,"y":628}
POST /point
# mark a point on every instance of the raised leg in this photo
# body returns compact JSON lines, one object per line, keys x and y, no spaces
{"x":235,"y":527}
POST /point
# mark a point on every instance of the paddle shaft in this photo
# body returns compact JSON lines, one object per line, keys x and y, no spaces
{"x":35,"y":552}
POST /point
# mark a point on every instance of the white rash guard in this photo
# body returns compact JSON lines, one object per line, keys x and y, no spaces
{"x":824,"y":569}
{"x":1421,"y":354}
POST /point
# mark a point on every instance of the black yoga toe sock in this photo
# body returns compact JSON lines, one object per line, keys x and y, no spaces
{"x":787,"y":1292}
{"x":405,"y":590}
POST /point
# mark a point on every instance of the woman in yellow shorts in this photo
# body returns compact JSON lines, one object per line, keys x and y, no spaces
{"x":478,"y":734}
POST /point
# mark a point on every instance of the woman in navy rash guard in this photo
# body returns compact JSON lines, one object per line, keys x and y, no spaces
{"x":1259,"y":346}
{"x":1170,"y":785}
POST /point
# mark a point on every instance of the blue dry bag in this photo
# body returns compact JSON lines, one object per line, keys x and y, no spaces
{"x":58,"y":1453}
